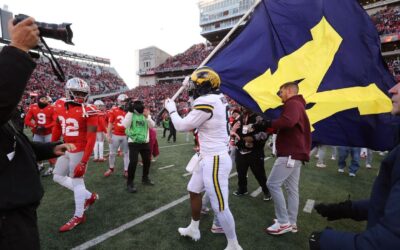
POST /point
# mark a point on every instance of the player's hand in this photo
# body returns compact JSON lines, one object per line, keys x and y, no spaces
{"x":80,"y":170}
{"x":62,"y":148}
{"x":186,"y":82}
{"x":170,"y":105}
{"x":24,"y":35}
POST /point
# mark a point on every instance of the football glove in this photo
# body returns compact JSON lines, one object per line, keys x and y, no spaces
{"x":170,"y":106}
{"x":335,"y":211}
{"x":80,"y":170}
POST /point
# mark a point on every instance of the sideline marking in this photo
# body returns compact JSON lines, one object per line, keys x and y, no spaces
{"x":309,"y":206}
{"x":133,"y":223}
{"x":169,"y":166}
{"x":256,"y":192}
{"x":170,"y":146}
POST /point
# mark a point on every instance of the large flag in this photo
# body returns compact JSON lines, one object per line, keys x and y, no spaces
{"x":331,"y":47}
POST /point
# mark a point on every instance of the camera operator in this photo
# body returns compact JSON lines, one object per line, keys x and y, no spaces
{"x":137,"y":123}
{"x":20,"y":187}
{"x":250,"y":129}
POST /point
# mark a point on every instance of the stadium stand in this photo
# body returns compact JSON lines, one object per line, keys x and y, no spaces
{"x":103,"y":79}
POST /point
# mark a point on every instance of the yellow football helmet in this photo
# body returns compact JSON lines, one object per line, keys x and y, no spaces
{"x":206,"y":75}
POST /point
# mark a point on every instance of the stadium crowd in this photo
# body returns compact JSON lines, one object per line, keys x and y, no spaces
{"x":387,"y":21}
{"x":100,"y":78}
{"x":188,"y":59}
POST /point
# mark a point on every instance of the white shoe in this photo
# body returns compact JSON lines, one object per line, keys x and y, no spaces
{"x":278,"y":229}
{"x":204,"y":210}
{"x":333,"y":158}
{"x":368,"y":166}
{"x":216,"y":229}
{"x":233,"y":246}
{"x":193,"y":233}
{"x":352,"y":174}
{"x":321,"y":165}
{"x":340,"y":170}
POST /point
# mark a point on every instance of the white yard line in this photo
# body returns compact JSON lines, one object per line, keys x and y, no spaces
{"x":256,"y":192}
{"x":120,"y":229}
{"x":169,"y":166}
{"x":267,"y":158}
{"x":187,"y":174}
{"x":177,"y":145}
{"x":309,"y":206}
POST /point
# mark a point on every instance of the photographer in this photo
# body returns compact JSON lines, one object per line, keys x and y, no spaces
{"x":20,"y":187}
{"x":137,"y":123}
{"x":250,"y":150}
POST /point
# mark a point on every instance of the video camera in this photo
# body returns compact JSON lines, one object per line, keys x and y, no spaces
{"x":61,"y":32}
{"x":135,"y":106}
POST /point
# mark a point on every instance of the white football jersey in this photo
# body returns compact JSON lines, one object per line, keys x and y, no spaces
{"x":213,"y":134}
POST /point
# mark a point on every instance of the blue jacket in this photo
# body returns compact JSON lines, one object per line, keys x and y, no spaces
{"x":382,"y":211}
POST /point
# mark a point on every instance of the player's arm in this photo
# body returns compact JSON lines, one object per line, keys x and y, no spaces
{"x":193,"y":120}
{"x":53,"y":121}
{"x":92,"y":123}
{"x":28,"y":119}
{"x":56,"y":129}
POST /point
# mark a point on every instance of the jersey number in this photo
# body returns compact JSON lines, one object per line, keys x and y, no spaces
{"x":41,"y":118}
{"x":119,"y":119}
{"x":70,"y":127}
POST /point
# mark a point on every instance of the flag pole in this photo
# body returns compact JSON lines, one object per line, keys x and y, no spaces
{"x":222,"y":43}
{"x":215,"y":50}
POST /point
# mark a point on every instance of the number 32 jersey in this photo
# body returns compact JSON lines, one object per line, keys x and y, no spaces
{"x":71,"y":119}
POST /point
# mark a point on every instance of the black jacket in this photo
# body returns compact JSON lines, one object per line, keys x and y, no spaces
{"x":255,"y":135}
{"x":19,"y":178}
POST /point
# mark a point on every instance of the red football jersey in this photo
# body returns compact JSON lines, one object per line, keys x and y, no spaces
{"x":102,"y":123}
{"x":37,"y":117}
{"x":73,"y":123}
{"x":115,"y":117}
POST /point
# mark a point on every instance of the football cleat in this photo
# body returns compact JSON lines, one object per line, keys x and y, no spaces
{"x":108,"y":172}
{"x":191,"y":232}
{"x":101,"y":160}
{"x":95,"y":160}
{"x":75,"y":221}
{"x":204,"y":210}
{"x":91,"y":200}
{"x":48,"y":172}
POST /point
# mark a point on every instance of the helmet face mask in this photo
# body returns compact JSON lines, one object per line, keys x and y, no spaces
{"x":77,"y":90}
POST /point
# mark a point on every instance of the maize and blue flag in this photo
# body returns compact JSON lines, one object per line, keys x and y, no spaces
{"x":333,"y":49}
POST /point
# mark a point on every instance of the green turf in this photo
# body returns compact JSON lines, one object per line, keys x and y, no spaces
{"x":117,"y":207}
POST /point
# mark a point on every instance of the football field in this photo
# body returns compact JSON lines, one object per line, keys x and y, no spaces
{"x":149,"y":219}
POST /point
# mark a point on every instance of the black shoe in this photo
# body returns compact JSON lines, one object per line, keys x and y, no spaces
{"x":147,"y":182}
{"x":238,"y":193}
{"x":267,"y":197}
{"x":131,"y":188}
